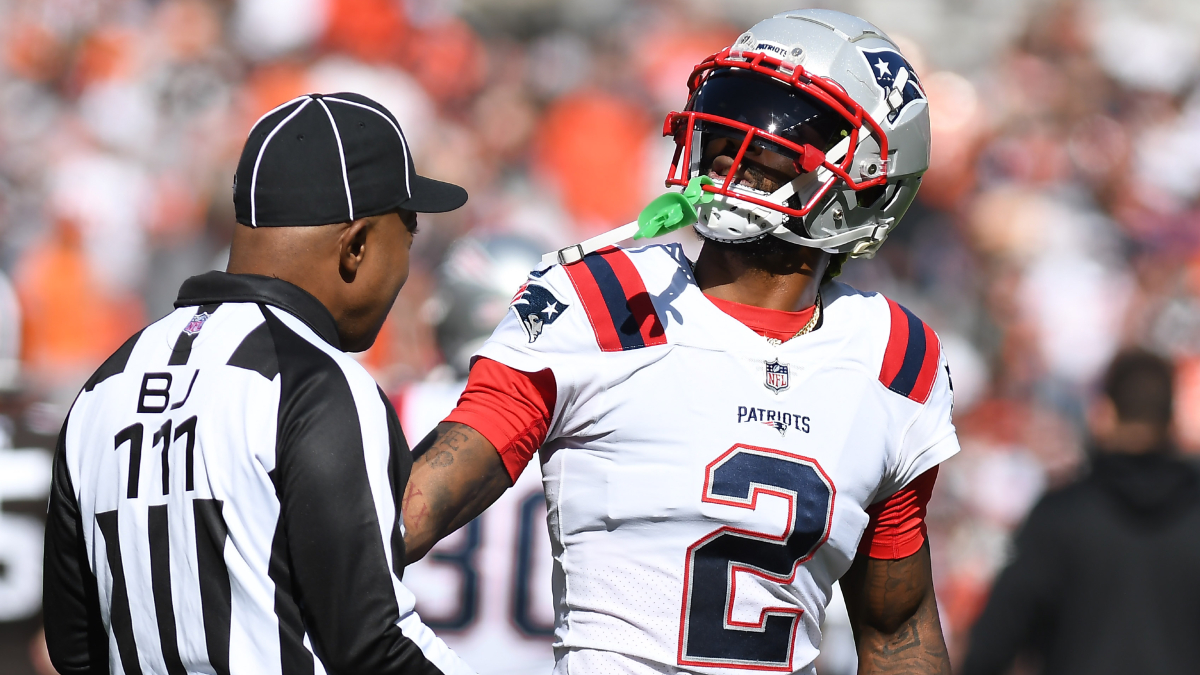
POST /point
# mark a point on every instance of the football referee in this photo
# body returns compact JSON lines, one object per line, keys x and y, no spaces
{"x":226,"y":486}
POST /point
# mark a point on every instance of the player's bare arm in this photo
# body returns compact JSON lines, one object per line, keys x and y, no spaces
{"x":894,"y":615}
{"x":456,"y":475}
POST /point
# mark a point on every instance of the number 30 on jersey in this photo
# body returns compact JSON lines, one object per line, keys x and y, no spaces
{"x":708,"y":633}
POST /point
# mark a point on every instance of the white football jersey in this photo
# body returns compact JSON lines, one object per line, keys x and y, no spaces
{"x":706,"y":487}
{"x":486,"y":588}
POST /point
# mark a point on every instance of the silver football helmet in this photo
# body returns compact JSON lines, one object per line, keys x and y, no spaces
{"x":476,"y":282}
{"x":828,"y":92}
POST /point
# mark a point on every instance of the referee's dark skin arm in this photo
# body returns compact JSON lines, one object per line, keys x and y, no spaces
{"x":355,"y":269}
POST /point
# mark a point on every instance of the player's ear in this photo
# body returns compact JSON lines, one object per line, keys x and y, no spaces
{"x":352,"y":247}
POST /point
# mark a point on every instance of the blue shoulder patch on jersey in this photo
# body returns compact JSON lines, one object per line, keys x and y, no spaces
{"x":537,"y":308}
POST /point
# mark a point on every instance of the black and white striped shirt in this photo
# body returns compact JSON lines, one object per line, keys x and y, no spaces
{"x":225,"y":500}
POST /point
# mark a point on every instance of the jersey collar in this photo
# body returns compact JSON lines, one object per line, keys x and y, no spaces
{"x":212,"y":287}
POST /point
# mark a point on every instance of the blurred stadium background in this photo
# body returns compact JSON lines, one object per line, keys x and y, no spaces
{"x":1060,"y":218}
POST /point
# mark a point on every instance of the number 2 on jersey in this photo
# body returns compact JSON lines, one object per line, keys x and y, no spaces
{"x":708,"y":634}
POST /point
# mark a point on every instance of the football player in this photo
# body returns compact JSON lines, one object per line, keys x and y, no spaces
{"x":486,"y":589}
{"x":720,"y":442}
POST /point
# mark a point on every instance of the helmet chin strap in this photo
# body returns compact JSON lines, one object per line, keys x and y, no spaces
{"x":876,"y":231}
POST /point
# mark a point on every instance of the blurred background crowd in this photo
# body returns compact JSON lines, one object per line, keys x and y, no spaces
{"x":1060,"y":218}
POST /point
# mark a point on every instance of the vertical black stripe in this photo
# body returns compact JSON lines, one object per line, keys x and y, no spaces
{"x":160,"y":583}
{"x":399,"y":468}
{"x":75,"y":633}
{"x":615,"y":299}
{"x":914,"y":356}
{"x":120,"y":618}
{"x":183,"y":344}
{"x":294,"y":657}
{"x":216,"y":597}
{"x":328,"y":557}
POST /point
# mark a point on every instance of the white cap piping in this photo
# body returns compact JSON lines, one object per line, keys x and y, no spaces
{"x":258,"y":160}
{"x":341,"y":156}
{"x":403,"y":143}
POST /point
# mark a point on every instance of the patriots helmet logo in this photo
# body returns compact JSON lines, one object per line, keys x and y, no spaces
{"x":897,"y":79}
{"x":537,"y":308}
{"x":778,"y":425}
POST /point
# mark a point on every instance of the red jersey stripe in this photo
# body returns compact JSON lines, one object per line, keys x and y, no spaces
{"x":924,"y":385}
{"x":893,"y":356}
{"x":594,"y":306}
{"x":636,"y":295}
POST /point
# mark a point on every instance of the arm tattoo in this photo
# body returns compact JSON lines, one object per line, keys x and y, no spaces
{"x":438,"y":449}
{"x":894,"y":615}
{"x":908,"y":637}
{"x":414,"y":507}
{"x":441,"y":459}
{"x":456,"y":474}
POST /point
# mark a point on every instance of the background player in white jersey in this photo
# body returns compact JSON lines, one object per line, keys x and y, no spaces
{"x":486,"y":588}
{"x":722,"y":441}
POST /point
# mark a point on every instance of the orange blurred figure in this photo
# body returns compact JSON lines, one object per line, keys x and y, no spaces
{"x":1187,"y":402}
{"x":447,"y":59}
{"x":270,"y":86}
{"x":368,"y":30}
{"x":590,"y":146}
{"x":190,"y":28}
{"x":108,"y":54}
{"x":71,"y":323}
{"x":666,"y":60}
{"x":32,"y":51}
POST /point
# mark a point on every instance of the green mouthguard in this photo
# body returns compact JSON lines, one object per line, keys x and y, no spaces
{"x":673,"y":210}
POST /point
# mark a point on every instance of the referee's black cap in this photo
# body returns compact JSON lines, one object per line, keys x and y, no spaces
{"x":332,"y":158}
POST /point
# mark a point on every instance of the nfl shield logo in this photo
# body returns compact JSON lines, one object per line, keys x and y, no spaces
{"x":196,"y":323}
{"x":776,"y":375}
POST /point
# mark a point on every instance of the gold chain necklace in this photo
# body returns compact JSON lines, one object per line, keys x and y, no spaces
{"x":808,"y":327}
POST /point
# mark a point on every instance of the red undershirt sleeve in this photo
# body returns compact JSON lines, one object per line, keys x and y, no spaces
{"x":897,"y":526}
{"x":510,"y":408}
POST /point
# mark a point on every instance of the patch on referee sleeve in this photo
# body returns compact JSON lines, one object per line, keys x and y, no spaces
{"x":616,"y":301}
{"x":911,"y":358}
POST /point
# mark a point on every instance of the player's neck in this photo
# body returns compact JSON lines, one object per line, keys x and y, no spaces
{"x":784,"y":282}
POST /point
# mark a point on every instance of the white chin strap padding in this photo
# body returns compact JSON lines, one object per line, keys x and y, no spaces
{"x":732,"y":219}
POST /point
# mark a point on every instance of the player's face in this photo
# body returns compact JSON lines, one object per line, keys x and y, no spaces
{"x":761,"y":168}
